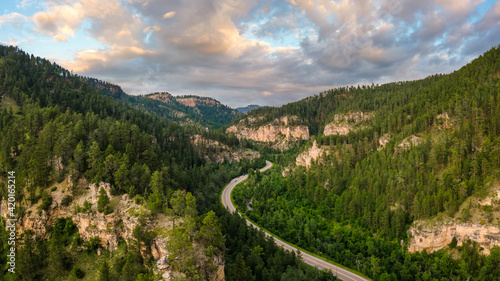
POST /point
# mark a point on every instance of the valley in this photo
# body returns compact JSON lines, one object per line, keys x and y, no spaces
{"x":395,"y":182}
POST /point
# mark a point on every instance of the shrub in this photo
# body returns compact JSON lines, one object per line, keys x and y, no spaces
{"x":66,"y":200}
{"x":46,"y":201}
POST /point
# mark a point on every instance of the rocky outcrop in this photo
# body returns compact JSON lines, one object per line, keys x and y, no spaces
{"x":433,"y":234}
{"x":279,"y":132}
{"x":109,"y":228}
{"x":382,"y":141}
{"x":409,"y":142}
{"x":217,"y":152}
{"x":443,"y":121}
{"x":337,"y":129}
{"x":196,"y":101}
{"x":164,"y":97}
{"x":344,"y":123}
{"x":307,"y":157}
{"x":270,"y":133}
{"x":433,"y":239}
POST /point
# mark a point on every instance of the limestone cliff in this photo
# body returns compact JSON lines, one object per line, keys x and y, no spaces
{"x":437,"y":233}
{"x":164,"y":97}
{"x":433,"y":239}
{"x":410,"y":141}
{"x":214,"y":151}
{"x":383,"y":140}
{"x":344,"y":123}
{"x":279,"y":133}
{"x":111,"y":228}
{"x":197,"y":101}
{"x":307,"y":157}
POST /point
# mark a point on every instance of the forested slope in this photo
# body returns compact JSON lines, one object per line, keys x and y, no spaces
{"x":210,"y":114}
{"x":393,"y":154}
{"x":57,"y":128}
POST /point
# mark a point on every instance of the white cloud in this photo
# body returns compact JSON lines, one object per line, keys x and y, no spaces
{"x":14,"y":19}
{"x":169,"y":15}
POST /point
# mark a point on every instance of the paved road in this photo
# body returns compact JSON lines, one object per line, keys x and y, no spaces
{"x":341,"y":273}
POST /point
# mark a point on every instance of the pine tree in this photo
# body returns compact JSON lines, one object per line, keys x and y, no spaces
{"x":103,"y":201}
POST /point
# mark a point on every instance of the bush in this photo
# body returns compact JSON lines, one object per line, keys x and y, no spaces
{"x":66,"y":200}
{"x":86,"y":206}
{"x":78,"y":273}
{"x":46,"y":201}
{"x":138,"y":199}
{"x":108,"y":210}
{"x":453,"y":243}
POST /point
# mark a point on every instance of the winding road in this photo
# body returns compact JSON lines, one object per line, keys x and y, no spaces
{"x":341,"y":273}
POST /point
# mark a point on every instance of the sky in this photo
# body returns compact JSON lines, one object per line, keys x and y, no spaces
{"x":244,"y":52}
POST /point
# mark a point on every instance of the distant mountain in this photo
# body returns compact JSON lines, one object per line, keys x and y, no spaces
{"x":204,"y":111}
{"x":248,"y":108}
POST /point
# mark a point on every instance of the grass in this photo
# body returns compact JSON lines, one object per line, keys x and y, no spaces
{"x":114,"y":202}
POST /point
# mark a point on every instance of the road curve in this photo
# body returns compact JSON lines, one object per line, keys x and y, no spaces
{"x":341,"y":273}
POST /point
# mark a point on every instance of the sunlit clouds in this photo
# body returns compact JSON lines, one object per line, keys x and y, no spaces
{"x":259,"y":52}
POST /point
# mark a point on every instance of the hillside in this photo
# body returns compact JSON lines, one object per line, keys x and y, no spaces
{"x":189,"y":109}
{"x":105,"y":190}
{"x":385,"y":162}
{"x":248,"y":108}
{"x":185,"y":110}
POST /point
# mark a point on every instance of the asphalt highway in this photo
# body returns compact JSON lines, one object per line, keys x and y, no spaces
{"x":341,"y":273}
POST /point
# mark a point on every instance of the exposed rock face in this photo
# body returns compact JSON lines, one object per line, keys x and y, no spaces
{"x":353,"y":117}
{"x":410,"y":141}
{"x":433,"y":236}
{"x":434,"y":239}
{"x":109,"y":228}
{"x":306,"y":157}
{"x":272,"y":133}
{"x":164,"y":97}
{"x":443,"y":121}
{"x":337,"y":129}
{"x":194,"y":102}
{"x":344,"y":123}
{"x":383,"y":140}
{"x":221,"y":152}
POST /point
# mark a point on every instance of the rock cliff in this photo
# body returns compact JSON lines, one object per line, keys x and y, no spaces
{"x":216,"y":152}
{"x":410,"y":141}
{"x":110,"y":229}
{"x":434,"y":234}
{"x":433,"y":239}
{"x":278,"y":133}
{"x":307,"y":157}
{"x":196,"y":101}
{"x":344,"y":123}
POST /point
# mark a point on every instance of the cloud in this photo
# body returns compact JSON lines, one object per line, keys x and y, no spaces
{"x":14,"y":19}
{"x":169,"y":15}
{"x":12,"y":42}
{"x":25,"y":4}
{"x":59,"y":21}
{"x":256,"y":51}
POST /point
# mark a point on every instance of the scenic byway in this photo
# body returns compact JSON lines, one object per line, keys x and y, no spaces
{"x":341,"y":273}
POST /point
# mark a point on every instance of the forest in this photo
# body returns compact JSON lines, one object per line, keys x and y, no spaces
{"x":56,"y":126}
{"x":355,"y":204}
